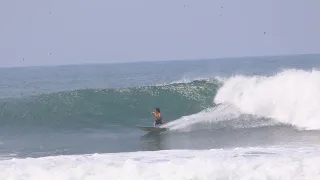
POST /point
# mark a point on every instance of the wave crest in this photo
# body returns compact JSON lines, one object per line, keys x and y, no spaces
{"x":291,"y":97}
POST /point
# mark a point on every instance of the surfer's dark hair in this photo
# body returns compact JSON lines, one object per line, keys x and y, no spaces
{"x":157,"y":109}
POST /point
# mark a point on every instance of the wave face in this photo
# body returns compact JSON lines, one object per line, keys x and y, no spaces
{"x":290,"y":97}
{"x":103,"y":108}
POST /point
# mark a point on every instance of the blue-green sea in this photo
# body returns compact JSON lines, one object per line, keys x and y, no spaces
{"x":226,"y":119}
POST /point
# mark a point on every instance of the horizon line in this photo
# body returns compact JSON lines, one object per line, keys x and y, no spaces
{"x":153,"y":61}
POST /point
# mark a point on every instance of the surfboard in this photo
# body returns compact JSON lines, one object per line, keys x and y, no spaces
{"x":152,"y":129}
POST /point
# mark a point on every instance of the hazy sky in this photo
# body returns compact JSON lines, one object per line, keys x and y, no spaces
{"x":47,"y":32}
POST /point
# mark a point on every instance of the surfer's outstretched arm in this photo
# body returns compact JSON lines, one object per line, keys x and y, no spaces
{"x":154,"y":124}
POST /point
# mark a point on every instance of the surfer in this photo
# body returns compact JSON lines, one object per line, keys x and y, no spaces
{"x":157,"y":115}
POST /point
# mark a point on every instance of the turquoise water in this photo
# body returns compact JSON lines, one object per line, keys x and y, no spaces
{"x":80,"y":109}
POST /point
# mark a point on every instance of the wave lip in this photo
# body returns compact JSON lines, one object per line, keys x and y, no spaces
{"x":290,"y":97}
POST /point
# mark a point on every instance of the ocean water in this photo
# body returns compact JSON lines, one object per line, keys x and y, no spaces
{"x":237,"y":118}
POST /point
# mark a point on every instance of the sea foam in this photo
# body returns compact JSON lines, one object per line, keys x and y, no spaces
{"x":290,"y":97}
{"x":239,"y":164}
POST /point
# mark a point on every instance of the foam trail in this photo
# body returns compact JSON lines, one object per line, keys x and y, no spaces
{"x":216,"y":114}
{"x":290,"y":97}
